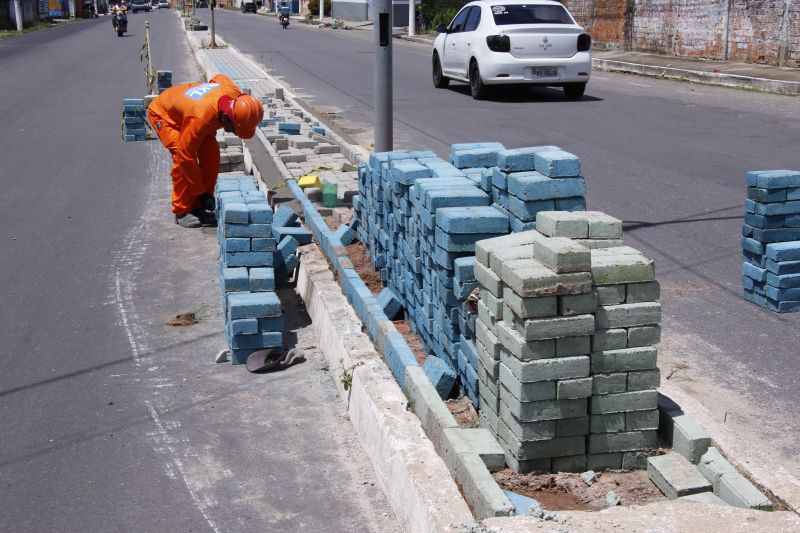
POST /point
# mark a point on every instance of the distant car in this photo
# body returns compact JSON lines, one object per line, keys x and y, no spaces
{"x":249,"y":6}
{"x":163,"y":4}
{"x":535,"y":42}
{"x":140,"y":5}
{"x":202,"y":3}
{"x":153,"y":4}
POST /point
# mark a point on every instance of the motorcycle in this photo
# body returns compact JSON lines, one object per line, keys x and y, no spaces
{"x":284,"y":20}
{"x":120,"y":21}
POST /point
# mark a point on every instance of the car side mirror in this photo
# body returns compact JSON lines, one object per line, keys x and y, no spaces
{"x":441,"y":28}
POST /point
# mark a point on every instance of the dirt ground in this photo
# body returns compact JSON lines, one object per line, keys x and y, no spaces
{"x":413,"y":341}
{"x":463,"y":411}
{"x":359,"y":256}
{"x":568,"y":492}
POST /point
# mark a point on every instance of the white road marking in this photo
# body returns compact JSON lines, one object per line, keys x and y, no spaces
{"x":599,"y":78}
{"x":640,"y":85}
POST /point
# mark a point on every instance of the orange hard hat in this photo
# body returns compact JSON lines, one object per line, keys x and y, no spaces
{"x":245,"y":112}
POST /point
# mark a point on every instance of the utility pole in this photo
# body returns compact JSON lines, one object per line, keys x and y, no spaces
{"x":321,"y":10}
{"x":412,"y":20}
{"x":382,"y":86}
{"x":18,"y":14}
{"x":213,"y":43}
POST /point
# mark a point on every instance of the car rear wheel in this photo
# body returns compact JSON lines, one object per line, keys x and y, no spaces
{"x":574,"y":91}
{"x":439,"y":79}
{"x":477,"y":88}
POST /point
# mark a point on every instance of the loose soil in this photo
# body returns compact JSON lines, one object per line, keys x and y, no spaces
{"x":463,"y":411}
{"x":184,"y":319}
{"x":568,"y":492}
{"x":413,"y":341}
{"x":359,"y":256}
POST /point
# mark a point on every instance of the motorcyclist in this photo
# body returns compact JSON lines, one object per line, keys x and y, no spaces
{"x":121,"y":9}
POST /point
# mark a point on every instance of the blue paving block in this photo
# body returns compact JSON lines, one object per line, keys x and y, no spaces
{"x":754,"y":272}
{"x":284,"y":216}
{"x":476,"y":157}
{"x":779,"y":208}
{"x":522,"y":504}
{"x":764,"y":222}
{"x":389,"y":303}
{"x":464,"y":268}
{"x":318,"y":130}
{"x":441,"y":375}
{"x":260,"y":213}
{"x":287,"y":266}
{"x":472,"y":219}
{"x":235,"y":213}
{"x":748,"y":282}
{"x":445,"y":259}
{"x":237,"y":244}
{"x":398,"y":356}
{"x":243,"y":326}
{"x":520,"y":159}
{"x":287,"y":247}
{"x":462,"y":289}
{"x":461,"y":242}
{"x":275,"y":323}
{"x":535,"y":186}
{"x":783,"y":267}
{"x":239,"y":357}
{"x":446,"y":171}
{"x":345,"y":234}
{"x":247,"y":230}
{"x":782,"y":294}
{"x":301,"y":235}
{"x":460,"y":147}
{"x":771,"y":235}
{"x":472,"y":196}
{"x":557,"y":164}
{"x":756,"y":259}
{"x":248,"y":259}
{"x":793,"y":193}
{"x":785,"y":281}
{"x":289,"y":127}
{"x":790,"y":221}
{"x":262,"y":279}
{"x":263,"y":245}
{"x":773,"y":179}
{"x":235,"y":279}
{"x":527,"y":211}
{"x":407,"y":171}
{"x":257,"y":341}
{"x":253,"y":305}
{"x":753,"y":246}
{"x":766,"y":195}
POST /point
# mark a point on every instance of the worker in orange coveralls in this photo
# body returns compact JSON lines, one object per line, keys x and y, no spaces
{"x":186,"y":118}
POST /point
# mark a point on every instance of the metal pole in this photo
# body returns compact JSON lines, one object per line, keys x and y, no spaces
{"x":18,"y":14}
{"x":382,"y":86}
{"x":213,"y":43}
{"x":412,"y":20}
{"x":150,"y":77}
{"x":321,"y":10}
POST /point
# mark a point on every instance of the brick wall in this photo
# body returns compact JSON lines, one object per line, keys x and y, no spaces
{"x":760,"y":31}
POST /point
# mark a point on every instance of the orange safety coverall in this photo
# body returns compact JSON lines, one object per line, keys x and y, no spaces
{"x":186,"y":119}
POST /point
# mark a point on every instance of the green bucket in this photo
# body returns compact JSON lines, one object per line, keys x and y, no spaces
{"x":329,"y":193}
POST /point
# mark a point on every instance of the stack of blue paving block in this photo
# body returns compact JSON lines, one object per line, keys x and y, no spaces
{"x":163,"y":80}
{"x":420,"y":217}
{"x":133,"y":118}
{"x":253,"y":318}
{"x":771,"y":240}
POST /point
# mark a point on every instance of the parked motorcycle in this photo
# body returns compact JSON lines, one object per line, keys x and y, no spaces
{"x":284,"y":20}
{"x":120,"y":21}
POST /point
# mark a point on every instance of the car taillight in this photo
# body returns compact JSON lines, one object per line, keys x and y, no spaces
{"x":499,"y":43}
{"x":584,"y":42}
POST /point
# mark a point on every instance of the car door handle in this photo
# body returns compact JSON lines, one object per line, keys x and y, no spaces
{"x":453,"y":43}
{"x":469,"y":43}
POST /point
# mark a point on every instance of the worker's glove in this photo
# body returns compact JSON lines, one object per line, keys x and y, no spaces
{"x":207,"y":201}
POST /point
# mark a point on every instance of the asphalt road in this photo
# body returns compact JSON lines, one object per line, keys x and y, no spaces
{"x":668,"y":158}
{"x":109,"y":419}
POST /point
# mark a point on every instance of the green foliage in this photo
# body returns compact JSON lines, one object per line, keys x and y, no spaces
{"x":313,"y":8}
{"x":440,"y":11}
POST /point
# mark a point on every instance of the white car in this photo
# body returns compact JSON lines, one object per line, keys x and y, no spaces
{"x":508,"y":42}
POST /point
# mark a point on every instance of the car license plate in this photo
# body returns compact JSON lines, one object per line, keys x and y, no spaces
{"x":544,"y":72}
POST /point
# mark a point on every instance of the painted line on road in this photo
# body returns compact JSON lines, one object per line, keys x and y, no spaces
{"x":640,"y":85}
{"x":599,"y":78}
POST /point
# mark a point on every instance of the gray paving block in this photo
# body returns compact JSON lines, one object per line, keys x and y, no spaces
{"x":577,"y":304}
{"x":526,"y":392}
{"x":626,"y":315}
{"x":609,"y":383}
{"x":606,"y":361}
{"x":531,"y":307}
{"x":554,"y":328}
{"x":610,"y":294}
{"x":527,"y":431}
{"x":486,"y":446}
{"x":675,"y":476}
{"x":524,"y":350}
{"x":593,"y":244}
{"x":603,"y":226}
{"x":572,"y":427}
{"x":624,"y":402}
{"x":609,"y":339}
{"x":563,"y":255}
{"x":503,"y":255}
{"x":614,"y":268}
{"x":485,"y":336}
{"x":641,"y":420}
{"x":643,"y":380}
{"x":648,"y":291}
{"x":562,"y":224}
{"x":635,"y":460}
{"x":573,"y":463}
{"x":713,"y":466}
{"x":544,"y":410}
{"x":485,"y":247}
{"x":541,"y":449}
{"x":488,"y":280}
{"x":569,"y":346}
{"x":708,"y":498}
{"x":604,"y":461}
{"x":530,"y":278}
{"x":644,"y":336}
{"x":610,"y":423}
{"x":623,"y":441}
{"x":492,"y":302}
{"x":735,"y":489}
{"x":570,"y":389}
{"x":689,"y":439}
{"x":425,"y":402}
{"x":546,"y":369}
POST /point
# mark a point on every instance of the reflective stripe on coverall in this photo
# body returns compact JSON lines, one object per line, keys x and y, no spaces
{"x":186,"y":119}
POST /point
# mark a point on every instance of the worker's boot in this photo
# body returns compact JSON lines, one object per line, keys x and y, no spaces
{"x":188,"y":220}
{"x":206,"y":218}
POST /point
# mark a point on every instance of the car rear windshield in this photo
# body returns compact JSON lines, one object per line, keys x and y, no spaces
{"x":535,"y":14}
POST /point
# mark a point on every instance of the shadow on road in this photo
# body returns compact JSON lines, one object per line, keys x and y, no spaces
{"x":519,"y":94}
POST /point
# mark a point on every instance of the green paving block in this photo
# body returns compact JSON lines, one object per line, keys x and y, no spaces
{"x":569,"y":346}
{"x":603,"y":226}
{"x":503,"y":255}
{"x":526,"y":392}
{"x":546,"y":369}
{"x":675,"y":476}
{"x":488,"y":280}
{"x":571,"y":389}
{"x":485,"y":247}
{"x":577,"y":304}
{"x":627,"y":315}
{"x":609,"y":383}
{"x":649,"y":291}
{"x":622,"y":441}
{"x":563,"y":255}
{"x":610,"y":268}
{"x":521,"y":349}
{"x":562,"y":224}
{"x":530,"y":278}
{"x":531,"y":307}
{"x":554,"y":328}
{"x":643,"y":380}
{"x":610,"y":294}
{"x":595,"y":244}
{"x":609,"y":339}
{"x":624,"y":402}
{"x":644,"y":335}
{"x":607,"y":361}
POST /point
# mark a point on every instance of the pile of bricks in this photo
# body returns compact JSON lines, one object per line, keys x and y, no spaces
{"x":133,"y":120}
{"x":231,"y":156}
{"x":163,"y":80}
{"x":771,"y":240}
{"x":420,"y":217}
{"x":565,"y":333}
{"x":253,"y":318}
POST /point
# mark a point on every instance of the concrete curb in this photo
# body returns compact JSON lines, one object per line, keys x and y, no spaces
{"x":696,"y":76}
{"x":413,"y":477}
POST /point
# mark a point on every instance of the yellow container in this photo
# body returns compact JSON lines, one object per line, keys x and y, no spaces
{"x":309,"y":181}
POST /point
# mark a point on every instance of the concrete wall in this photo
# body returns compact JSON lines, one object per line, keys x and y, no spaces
{"x":30,"y":14}
{"x":358,"y":11}
{"x":754,"y":31}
